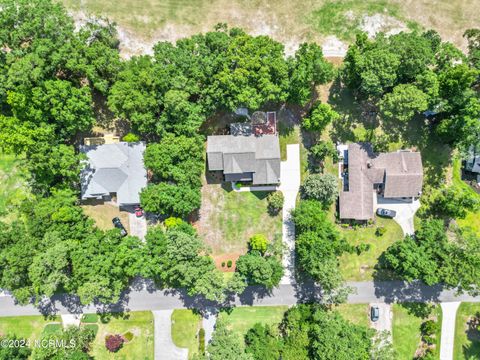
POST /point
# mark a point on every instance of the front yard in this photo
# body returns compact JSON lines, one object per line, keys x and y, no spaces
{"x":361,"y":267}
{"x":138,"y":324}
{"x":185,"y":329}
{"x":467,"y":332}
{"x":28,"y":327}
{"x":406,"y":333}
{"x":242,"y":319}
{"x":355,"y":313}
{"x":228,"y":219}
{"x":103,"y":213}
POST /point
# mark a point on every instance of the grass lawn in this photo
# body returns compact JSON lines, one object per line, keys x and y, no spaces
{"x":140,"y":324}
{"x":361,"y":267}
{"x":30,"y":327}
{"x":406,"y":331}
{"x":228,"y":219}
{"x":473,"y":218}
{"x":355,"y":313}
{"x":104,"y":213}
{"x":185,"y":327}
{"x":12,"y":183}
{"x":467,"y":339}
{"x":242,"y":319}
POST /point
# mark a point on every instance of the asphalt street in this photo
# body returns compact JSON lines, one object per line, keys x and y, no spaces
{"x":144,"y":296}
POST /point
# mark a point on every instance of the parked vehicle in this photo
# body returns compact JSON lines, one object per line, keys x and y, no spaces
{"x":386,"y":213}
{"x":374,"y":313}
{"x":139,"y":212}
{"x":118,"y":224}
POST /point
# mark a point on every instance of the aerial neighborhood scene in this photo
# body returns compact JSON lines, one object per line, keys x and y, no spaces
{"x":239,"y":180}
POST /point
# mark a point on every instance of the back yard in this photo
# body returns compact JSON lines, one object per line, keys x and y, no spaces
{"x":467,"y":332}
{"x":12,"y":184}
{"x":229,"y":218}
{"x":291,"y":22}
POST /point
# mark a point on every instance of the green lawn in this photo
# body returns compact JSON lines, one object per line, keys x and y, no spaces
{"x":139,"y":323}
{"x":228,"y":218}
{"x":185,"y":327}
{"x":241,"y":319}
{"x":12,"y":183}
{"x":30,"y":327}
{"x":361,"y":267}
{"x":473,"y":218}
{"x":406,"y":331}
{"x":355,"y":313}
{"x":467,"y":339}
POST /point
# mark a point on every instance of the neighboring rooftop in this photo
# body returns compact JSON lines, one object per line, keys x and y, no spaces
{"x":114,"y":168}
{"x":396,"y":175}
{"x":245,"y":158}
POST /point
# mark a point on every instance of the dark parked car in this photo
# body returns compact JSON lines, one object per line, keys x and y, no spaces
{"x":374,"y":313}
{"x":118,"y":224}
{"x":386,"y":213}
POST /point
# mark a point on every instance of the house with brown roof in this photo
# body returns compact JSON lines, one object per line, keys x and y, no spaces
{"x":366,"y":175}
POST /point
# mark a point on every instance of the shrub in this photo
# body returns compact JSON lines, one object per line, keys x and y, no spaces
{"x":320,"y":116}
{"x":275,"y":202}
{"x":92,"y":327}
{"x":323,"y":188}
{"x":324,"y":149}
{"x":131,"y":137}
{"x":89,"y":318}
{"x":258,"y":242}
{"x":201,"y":341}
{"x":113,"y":343}
{"x":428,"y":339}
{"x":128,"y":336}
{"x":223,"y":263}
{"x":229,"y":263}
{"x":362,"y":248}
{"x":345,"y":225}
{"x":380,"y":231}
{"x":172,"y":222}
{"x":429,"y":327}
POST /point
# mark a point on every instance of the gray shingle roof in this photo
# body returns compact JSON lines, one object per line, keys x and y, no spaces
{"x":401,"y":174}
{"x":114,"y":168}
{"x":243,"y":155}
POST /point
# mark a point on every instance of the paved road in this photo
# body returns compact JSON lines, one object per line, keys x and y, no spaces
{"x":165,"y":349}
{"x":289,"y":186}
{"x":144,"y":298}
{"x":449,"y":314}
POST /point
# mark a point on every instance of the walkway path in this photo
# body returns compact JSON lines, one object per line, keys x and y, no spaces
{"x":289,"y":186}
{"x":449,"y":314}
{"x":165,"y":349}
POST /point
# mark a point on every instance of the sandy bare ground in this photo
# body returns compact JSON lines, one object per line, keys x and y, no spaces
{"x":143,"y":23}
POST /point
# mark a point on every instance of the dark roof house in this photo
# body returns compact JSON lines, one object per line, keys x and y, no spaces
{"x":114,"y":169}
{"x":245,"y":158}
{"x":393,"y":175}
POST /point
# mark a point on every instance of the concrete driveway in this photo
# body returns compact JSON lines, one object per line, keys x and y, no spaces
{"x":289,"y":186}
{"x":384,"y":321}
{"x":138,"y":226}
{"x":165,"y":349}
{"x":405,"y":210}
{"x":449,"y":314}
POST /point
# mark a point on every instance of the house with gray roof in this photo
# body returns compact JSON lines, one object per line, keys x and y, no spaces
{"x":366,"y":175}
{"x":250,"y":158}
{"x":114,"y":170}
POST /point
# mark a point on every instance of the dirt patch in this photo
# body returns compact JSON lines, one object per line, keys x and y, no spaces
{"x":103,"y":213}
{"x":334,"y":47}
{"x":223,"y":259}
{"x":373,"y":24}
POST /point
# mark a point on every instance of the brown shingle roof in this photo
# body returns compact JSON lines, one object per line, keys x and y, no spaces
{"x":401,"y":173}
